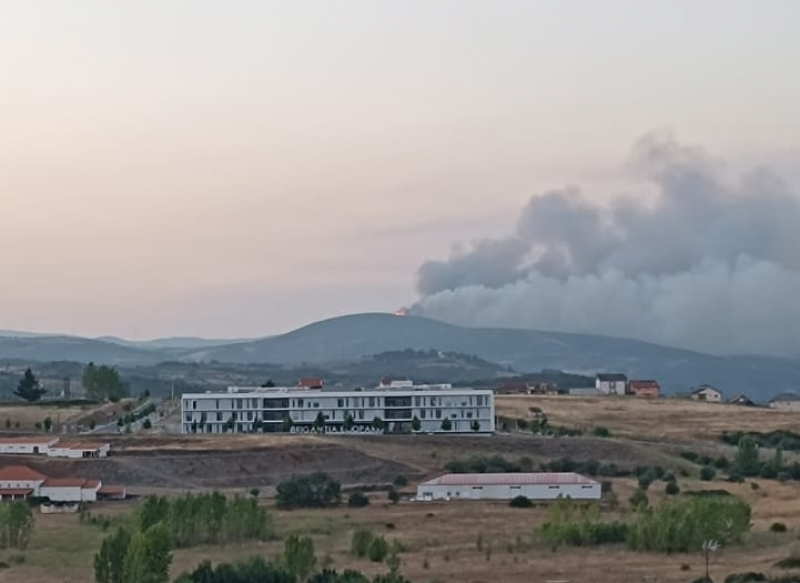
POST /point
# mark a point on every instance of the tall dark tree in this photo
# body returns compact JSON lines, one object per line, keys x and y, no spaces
{"x":103,"y":382}
{"x":29,"y":387}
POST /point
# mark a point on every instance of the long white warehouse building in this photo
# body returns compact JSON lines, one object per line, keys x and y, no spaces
{"x":403,"y":408}
{"x":536,"y":486}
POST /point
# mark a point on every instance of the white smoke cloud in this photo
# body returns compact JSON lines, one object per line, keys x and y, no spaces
{"x":712,"y":264}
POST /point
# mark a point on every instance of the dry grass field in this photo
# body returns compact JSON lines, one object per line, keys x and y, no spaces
{"x":440,"y":543}
{"x":28,"y":415}
{"x":670,"y":419}
{"x":440,"y":540}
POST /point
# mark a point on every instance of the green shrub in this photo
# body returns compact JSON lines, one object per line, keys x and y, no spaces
{"x":378,"y":549}
{"x":601,"y":432}
{"x":746,"y":578}
{"x":672,"y":489}
{"x":316,"y":490}
{"x":400,"y":482}
{"x":778,"y":527}
{"x":607,"y":486}
{"x":789,"y":563}
{"x":358,"y":499}
{"x":707,"y":473}
{"x":394,"y":496}
{"x":360,"y":543}
{"x":689,"y":455}
{"x":638,"y":499}
{"x":520,"y":502}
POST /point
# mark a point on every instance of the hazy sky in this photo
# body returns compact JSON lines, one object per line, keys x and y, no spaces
{"x":241,"y":168}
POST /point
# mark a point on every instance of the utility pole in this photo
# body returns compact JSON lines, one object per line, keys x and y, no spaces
{"x":709,"y":546}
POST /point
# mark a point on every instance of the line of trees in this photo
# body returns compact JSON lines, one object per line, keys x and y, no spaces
{"x":192,"y":520}
{"x":143,"y":557}
{"x":103,"y":382}
{"x":673,"y":526}
{"x":316,"y":490}
{"x":16,"y":524}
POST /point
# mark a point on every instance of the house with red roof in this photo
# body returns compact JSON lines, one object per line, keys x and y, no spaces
{"x":21,"y":482}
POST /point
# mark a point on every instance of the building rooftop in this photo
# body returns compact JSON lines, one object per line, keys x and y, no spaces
{"x":111,"y":490}
{"x":509,"y":479}
{"x":33,"y":439}
{"x":787,"y":396}
{"x":82,"y":445}
{"x":15,"y":491}
{"x":64,"y":483}
{"x":20,"y":474}
{"x":616,"y":377}
{"x":91,"y":485}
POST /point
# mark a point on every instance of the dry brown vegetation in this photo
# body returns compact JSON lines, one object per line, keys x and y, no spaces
{"x":440,"y":539}
{"x":672,"y":419}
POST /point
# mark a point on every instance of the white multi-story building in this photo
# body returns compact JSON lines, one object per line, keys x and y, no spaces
{"x":394,"y":408}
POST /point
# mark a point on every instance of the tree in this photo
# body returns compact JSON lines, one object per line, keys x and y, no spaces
{"x":109,"y":562}
{"x":447,"y":425}
{"x":349,"y":422}
{"x":47,"y":424}
{"x":268,"y":384}
{"x":319,"y":422}
{"x":28,"y":387}
{"x":416,"y":424}
{"x":707,"y":473}
{"x":378,"y":424}
{"x":16,"y":524}
{"x":672,"y":489}
{"x":315,"y":490}
{"x":639,"y":499}
{"x":475,"y":425}
{"x":400,"y":481}
{"x":102,"y":382}
{"x":149,"y":556}
{"x":394,"y":496}
{"x":746,"y":461}
{"x":147,"y":424}
{"x":358,"y":499}
{"x":298,"y":556}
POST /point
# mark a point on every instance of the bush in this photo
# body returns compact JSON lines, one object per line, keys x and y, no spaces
{"x":316,"y":490}
{"x":689,"y":455}
{"x":359,"y":544}
{"x":400,"y":482}
{"x":147,"y":424}
{"x":601,"y":432}
{"x":722,"y":463}
{"x":777,"y":527}
{"x":378,"y":549}
{"x":746,"y":578}
{"x":520,"y":502}
{"x":394,"y":496}
{"x":607,"y":486}
{"x":638,"y":499}
{"x":672,"y":489}
{"x":358,"y":499}
{"x":645,"y":480}
{"x":789,"y":563}
{"x":707,"y":473}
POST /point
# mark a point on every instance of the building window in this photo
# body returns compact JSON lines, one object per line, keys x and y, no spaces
{"x":238,"y":403}
{"x":422,"y":413}
{"x":340,"y":402}
{"x":438,"y":413}
{"x":219,"y":416}
{"x":553,"y":487}
{"x":194,"y":404}
{"x":299,"y":402}
{"x":416,"y":401}
{"x":372,"y":401}
{"x":433,"y":401}
{"x":361,"y":414}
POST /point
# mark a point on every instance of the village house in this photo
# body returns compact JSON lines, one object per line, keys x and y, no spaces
{"x":21,"y":482}
{"x":52,"y":447}
{"x":742,"y":400}
{"x":787,"y":401}
{"x":707,"y":393}
{"x":611,"y":383}
{"x":506,"y":486}
{"x":645,"y":389}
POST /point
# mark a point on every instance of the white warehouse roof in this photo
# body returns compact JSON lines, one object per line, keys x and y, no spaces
{"x":509,"y":479}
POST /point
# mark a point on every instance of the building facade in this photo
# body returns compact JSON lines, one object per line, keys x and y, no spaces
{"x":535,"y":486}
{"x":611,"y":384}
{"x":390,"y":409}
{"x":645,"y":389}
{"x":707,"y":393}
{"x":787,"y":401}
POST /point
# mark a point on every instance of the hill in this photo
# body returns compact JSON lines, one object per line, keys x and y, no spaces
{"x":73,"y":348}
{"x":352,"y":337}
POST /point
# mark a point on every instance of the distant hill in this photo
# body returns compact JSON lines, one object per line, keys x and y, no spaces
{"x":350,"y":337}
{"x":339,"y":344}
{"x":72,"y":348}
{"x":173,"y":343}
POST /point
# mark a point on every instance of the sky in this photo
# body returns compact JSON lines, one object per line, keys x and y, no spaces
{"x":233,"y":169}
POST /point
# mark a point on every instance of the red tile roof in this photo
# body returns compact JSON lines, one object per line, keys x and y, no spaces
{"x":15,"y":491}
{"x":511,"y":479}
{"x":20,"y":474}
{"x":64,"y":483}
{"x":111,"y":490}
{"x":643,"y":384}
{"x":91,"y":484}
{"x":310,"y":382}
{"x":35,"y":440}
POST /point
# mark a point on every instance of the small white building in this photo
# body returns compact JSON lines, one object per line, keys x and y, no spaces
{"x":535,"y":486}
{"x":27,"y":445}
{"x":67,"y":490}
{"x":611,"y":383}
{"x":787,"y":401}
{"x":79,"y":450}
{"x":707,"y":393}
{"x":19,"y":482}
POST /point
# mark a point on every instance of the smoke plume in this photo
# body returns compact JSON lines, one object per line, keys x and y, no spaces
{"x":708,"y":263}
